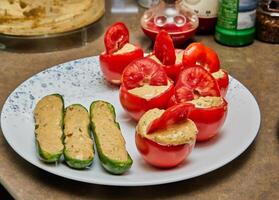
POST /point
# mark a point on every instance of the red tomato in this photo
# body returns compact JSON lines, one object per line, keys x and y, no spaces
{"x":172,"y":115}
{"x":116,"y":37}
{"x":137,"y":73}
{"x":172,"y":70}
{"x":194,"y":82}
{"x":164,"y":49}
{"x":112,"y":65}
{"x":137,"y":106}
{"x":144,"y":71}
{"x":163,"y":156}
{"x":212,"y":62}
{"x":223,"y":81}
{"x":194,"y":54}
{"x":197,"y":54}
{"x":209,"y":120}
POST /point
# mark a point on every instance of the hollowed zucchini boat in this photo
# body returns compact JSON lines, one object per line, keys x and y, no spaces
{"x":79,"y":150}
{"x":109,"y":140}
{"x":48,"y":115}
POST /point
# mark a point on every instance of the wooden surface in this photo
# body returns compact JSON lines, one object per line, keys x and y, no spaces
{"x":253,"y":175}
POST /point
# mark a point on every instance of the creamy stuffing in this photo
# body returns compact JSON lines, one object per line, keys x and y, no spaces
{"x":218,"y":74}
{"x":207,"y":102}
{"x":149,"y":91}
{"x":78,"y":143}
{"x":108,"y":134}
{"x":126,"y":48}
{"x":176,"y":134}
{"x":48,"y":120}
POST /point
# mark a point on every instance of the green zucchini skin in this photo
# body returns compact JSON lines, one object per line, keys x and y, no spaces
{"x":111,"y":165}
{"x":76,"y":163}
{"x":73,"y":162}
{"x":44,"y":155}
{"x":47,"y":157}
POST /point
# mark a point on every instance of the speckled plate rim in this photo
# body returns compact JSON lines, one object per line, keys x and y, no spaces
{"x":169,"y":179}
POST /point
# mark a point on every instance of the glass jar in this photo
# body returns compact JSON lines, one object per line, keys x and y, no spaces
{"x":267,"y":21}
{"x":174,"y":17}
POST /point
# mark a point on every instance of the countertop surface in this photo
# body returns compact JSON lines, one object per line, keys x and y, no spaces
{"x":253,"y":175}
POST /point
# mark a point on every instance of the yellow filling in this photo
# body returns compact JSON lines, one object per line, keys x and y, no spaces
{"x":78,"y":143}
{"x":179,"y":56}
{"x":126,"y":48}
{"x":149,"y":91}
{"x":175,"y":134}
{"x":109,"y":135}
{"x":153,"y":57}
{"x":178,"y":60}
{"x":207,"y":102}
{"x":218,"y":74}
{"x":48,"y":118}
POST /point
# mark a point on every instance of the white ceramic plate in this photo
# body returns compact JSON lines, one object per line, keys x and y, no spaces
{"x":80,"y":81}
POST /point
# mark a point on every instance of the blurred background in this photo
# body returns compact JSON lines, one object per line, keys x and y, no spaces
{"x":32,"y":26}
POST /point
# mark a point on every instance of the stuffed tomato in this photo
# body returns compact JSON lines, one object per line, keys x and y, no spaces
{"x":165,"y":138}
{"x":222,"y":78}
{"x":165,"y":54}
{"x":197,"y":54}
{"x":119,"y":52}
{"x":172,"y":70}
{"x":145,"y":85}
{"x":209,"y":116}
{"x":197,"y":86}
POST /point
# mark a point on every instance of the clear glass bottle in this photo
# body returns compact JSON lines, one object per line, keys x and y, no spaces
{"x":174,"y":17}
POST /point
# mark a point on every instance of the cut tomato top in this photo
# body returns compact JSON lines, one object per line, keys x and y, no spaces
{"x":172,"y":115}
{"x":212,"y":62}
{"x":194,"y":55}
{"x":194,"y":82}
{"x":164,"y":49}
{"x":144,"y":71}
{"x":116,"y":37}
{"x":197,"y":54}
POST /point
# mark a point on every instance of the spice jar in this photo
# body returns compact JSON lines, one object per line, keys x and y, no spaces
{"x":267,"y":21}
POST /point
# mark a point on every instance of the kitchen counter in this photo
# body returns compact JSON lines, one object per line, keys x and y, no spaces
{"x":253,"y":175}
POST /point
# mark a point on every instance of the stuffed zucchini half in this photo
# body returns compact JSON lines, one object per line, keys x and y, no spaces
{"x":48,"y":115}
{"x":79,"y":150}
{"x":109,"y":140}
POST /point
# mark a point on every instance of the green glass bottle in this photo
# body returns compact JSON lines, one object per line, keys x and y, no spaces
{"x":236,"y":22}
